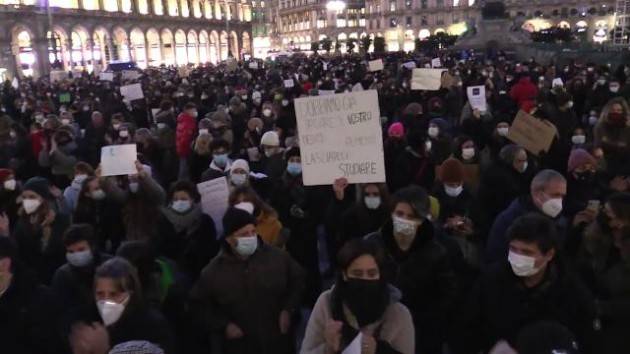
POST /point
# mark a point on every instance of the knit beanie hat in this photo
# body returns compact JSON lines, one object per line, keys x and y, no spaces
{"x":452,"y":171}
{"x":396,"y":130}
{"x":39,"y":185}
{"x":4,"y":173}
{"x":270,"y":138}
{"x":580,"y":157}
{"x":240,"y":163}
{"x":417,"y":198}
{"x":235,"y":219}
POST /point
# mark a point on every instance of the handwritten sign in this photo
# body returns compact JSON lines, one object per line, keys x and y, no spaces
{"x":375,"y":65}
{"x":288,"y":83}
{"x":132,"y":92}
{"x":533,"y":134}
{"x":106,"y":77}
{"x":426,"y":79}
{"x":436,"y":63}
{"x":326,"y":92}
{"x":357,"y":87}
{"x":214,"y":200}
{"x":118,"y":160}
{"x":477,"y":97}
{"x":340,"y":136}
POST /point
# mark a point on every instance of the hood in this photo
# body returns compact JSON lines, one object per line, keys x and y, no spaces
{"x":424,"y":235}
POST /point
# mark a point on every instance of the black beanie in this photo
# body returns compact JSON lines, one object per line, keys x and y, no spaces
{"x":39,"y":185}
{"x":235,"y":219}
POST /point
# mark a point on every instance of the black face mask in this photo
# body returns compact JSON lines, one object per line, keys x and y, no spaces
{"x":366,"y":299}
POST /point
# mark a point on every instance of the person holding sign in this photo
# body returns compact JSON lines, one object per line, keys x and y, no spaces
{"x":361,"y":303}
{"x":246,"y":296}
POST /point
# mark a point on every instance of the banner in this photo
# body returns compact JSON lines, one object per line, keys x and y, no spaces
{"x":533,"y":134}
{"x":340,"y":136}
{"x":118,"y":160}
{"x":214,"y":200}
{"x":426,"y":79}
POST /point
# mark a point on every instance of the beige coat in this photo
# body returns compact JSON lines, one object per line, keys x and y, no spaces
{"x":396,"y":327}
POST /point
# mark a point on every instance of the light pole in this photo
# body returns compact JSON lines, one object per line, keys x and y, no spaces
{"x":227,"y":28}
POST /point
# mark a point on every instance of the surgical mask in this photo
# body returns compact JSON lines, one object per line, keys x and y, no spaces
{"x":613,"y":88}
{"x":10,"y":184}
{"x":428,"y":145}
{"x":266,"y":112}
{"x":181,"y":206}
{"x":270,"y":152}
{"x":372,"y":203}
{"x":468,"y":153}
{"x":404,"y":227}
{"x":522,"y":266}
{"x":203,"y":131}
{"x":161,"y":125}
{"x":592,"y":120}
{"x":578,"y":139}
{"x":285,"y":103}
{"x":569,"y":104}
{"x":98,"y":194}
{"x":220,"y":160}
{"x":124,"y":133}
{"x":65,"y":121}
{"x":246,"y":246}
{"x":116,"y":126}
{"x":552,"y":207}
{"x":133,"y":187}
{"x":30,"y":205}
{"x":238,"y":179}
{"x":110,"y":311}
{"x":80,"y":259}
{"x":79,"y":178}
{"x":243,"y":97}
{"x":433,"y":131}
{"x":294,"y":168}
{"x":194,"y":114}
{"x":453,"y":191}
{"x":503,"y":131}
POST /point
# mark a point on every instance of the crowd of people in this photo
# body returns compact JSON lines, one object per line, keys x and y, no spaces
{"x":473,"y":244}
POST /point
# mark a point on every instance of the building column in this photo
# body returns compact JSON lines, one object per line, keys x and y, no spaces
{"x":101,"y":5}
{"x":165,"y":9}
{"x":68,"y":45}
{"x":7,"y":58}
{"x":40,"y":47}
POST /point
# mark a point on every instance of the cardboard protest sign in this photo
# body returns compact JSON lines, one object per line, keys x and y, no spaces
{"x":340,"y":136}
{"x":426,"y":79}
{"x":118,"y":160}
{"x":375,"y":65}
{"x":214,"y":200}
{"x":106,"y":77}
{"x":477,"y":97}
{"x":533,"y":134}
{"x":436,"y":63}
{"x":132,"y":92}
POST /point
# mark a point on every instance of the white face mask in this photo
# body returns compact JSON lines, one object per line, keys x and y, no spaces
{"x":522,"y":266}
{"x":133,"y":187}
{"x":30,"y":205}
{"x":124,"y":133}
{"x":372,"y":203}
{"x":238,"y":179}
{"x":161,"y":125}
{"x":285,"y":103}
{"x":203,"y":131}
{"x":570,"y":104}
{"x":614,"y":88}
{"x":578,"y":139}
{"x":266,"y":112}
{"x":433,"y":131}
{"x":592,"y":120}
{"x":80,"y":259}
{"x":428,"y":145}
{"x":503,"y":131}
{"x":116,"y":126}
{"x":194,"y":114}
{"x":453,"y":191}
{"x":65,"y":121}
{"x":404,"y":227}
{"x":552,"y":207}
{"x":10,"y":184}
{"x":246,"y":246}
{"x":468,"y":153}
{"x":110,"y":311}
{"x":181,"y":206}
{"x":97,"y":194}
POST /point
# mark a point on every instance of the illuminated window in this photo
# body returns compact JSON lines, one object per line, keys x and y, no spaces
{"x":392,"y":5}
{"x":66,"y":4}
{"x":90,"y":4}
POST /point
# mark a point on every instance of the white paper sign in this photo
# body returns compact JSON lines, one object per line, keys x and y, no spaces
{"x":375,"y":65}
{"x":132,"y":92}
{"x":14,"y":83}
{"x":288,"y":83}
{"x":557,"y":82}
{"x":410,"y":65}
{"x":357,"y":87}
{"x":130,"y":75}
{"x":106,"y":77}
{"x":325,"y":66}
{"x":477,"y":97}
{"x":436,"y":63}
{"x":58,"y":75}
{"x":326,"y":92}
{"x":253,"y":65}
{"x":426,"y":79}
{"x":118,"y":160}
{"x":154,"y":112}
{"x":355,"y":346}
{"x":340,"y":136}
{"x":214,"y":200}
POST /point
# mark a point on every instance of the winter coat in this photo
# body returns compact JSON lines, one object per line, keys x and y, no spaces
{"x":413,"y":168}
{"x":615,"y":141}
{"x":142,"y":209}
{"x":395,"y":327}
{"x":524,"y":93}
{"x":499,"y":306}
{"x":250,"y":293}
{"x":498,"y":242}
{"x":71,"y":195}
{"x":29,"y":317}
{"x":425,"y":277}
{"x":186,"y":127}
{"x":59,"y":162}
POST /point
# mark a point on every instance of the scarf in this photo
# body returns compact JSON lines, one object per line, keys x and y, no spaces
{"x":189,"y":221}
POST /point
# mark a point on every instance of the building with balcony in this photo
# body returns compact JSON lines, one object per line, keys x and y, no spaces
{"x":302,"y":22}
{"x":89,"y":34}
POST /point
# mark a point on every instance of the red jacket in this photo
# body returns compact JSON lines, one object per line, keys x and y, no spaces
{"x":524,"y":93}
{"x":186,"y":126}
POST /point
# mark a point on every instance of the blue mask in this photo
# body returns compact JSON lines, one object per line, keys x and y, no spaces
{"x":221,"y":160}
{"x":294,"y":168}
